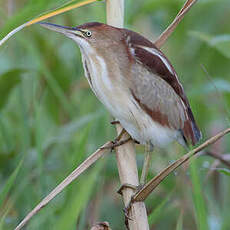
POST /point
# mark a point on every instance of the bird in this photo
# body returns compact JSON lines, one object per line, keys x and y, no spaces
{"x":136,"y":83}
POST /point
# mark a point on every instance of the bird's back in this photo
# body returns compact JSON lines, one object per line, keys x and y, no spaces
{"x":157,"y":89}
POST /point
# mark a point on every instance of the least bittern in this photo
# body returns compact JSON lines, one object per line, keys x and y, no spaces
{"x":136,"y":83}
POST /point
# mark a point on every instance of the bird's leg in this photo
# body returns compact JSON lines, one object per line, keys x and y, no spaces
{"x":134,"y":187}
{"x":116,"y":144}
{"x":126,"y":211}
{"x":127,"y":208}
{"x":119,"y":143}
{"x":118,"y":138}
{"x":146,"y":164}
{"x":115,"y":122}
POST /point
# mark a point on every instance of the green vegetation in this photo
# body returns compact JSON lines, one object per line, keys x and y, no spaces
{"x":50,"y":121}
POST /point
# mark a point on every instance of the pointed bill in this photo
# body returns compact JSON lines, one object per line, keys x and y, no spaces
{"x":61,"y":29}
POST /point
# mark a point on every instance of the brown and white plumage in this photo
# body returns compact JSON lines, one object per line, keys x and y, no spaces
{"x":136,"y":82}
{"x":169,"y":108}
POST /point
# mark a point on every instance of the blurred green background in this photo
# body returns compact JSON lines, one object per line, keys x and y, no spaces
{"x":50,"y":121}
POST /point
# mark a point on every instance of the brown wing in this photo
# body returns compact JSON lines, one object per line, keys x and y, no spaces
{"x":158,"y":89}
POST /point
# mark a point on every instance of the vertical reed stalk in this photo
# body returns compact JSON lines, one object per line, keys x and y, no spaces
{"x":126,"y":156}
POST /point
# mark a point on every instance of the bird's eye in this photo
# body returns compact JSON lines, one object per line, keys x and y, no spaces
{"x":88,"y":33}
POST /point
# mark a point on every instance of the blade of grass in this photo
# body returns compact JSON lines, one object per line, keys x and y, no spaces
{"x":165,"y":35}
{"x":179,"y":225}
{"x":198,"y":199}
{"x":9,"y":183}
{"x":60,"y":11}
{"x":3,"y":217}
{"x":39,"y":141}
{"x":224,"y":171}
{"x":52,"y":82}
{"x":24,"y":109}
{"x":46,"y":16}
{"x":11,"y":33}
{"x":70,"y":178}
{"x":156,"y":213}
{"x":8,"y":81}
{"x":78,"y":199}
{"x":57,"y":90}
{"x":4,"y":132}
{"x":146,"y":190}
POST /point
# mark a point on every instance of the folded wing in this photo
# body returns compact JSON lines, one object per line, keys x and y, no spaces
{"x":158,"y":90}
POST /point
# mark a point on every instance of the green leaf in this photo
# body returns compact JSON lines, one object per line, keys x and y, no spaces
{"x":179,"y":225}
{"x":8,"y":81}
{"x":198,"y":200}
{"x":29,"y":11}
{"x":217,"y":84}
{"x":156,"y":214}
{"x":224,"y":171}
{"x":201,"y":36}
{"x":33,"y":9}
{"x":79,"y":196}
{"x":9,"y":184}
{"x":219,"y":42}
{"x":222,"y":43}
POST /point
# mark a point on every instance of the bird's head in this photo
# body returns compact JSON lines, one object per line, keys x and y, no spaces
{"x":94,"y":35}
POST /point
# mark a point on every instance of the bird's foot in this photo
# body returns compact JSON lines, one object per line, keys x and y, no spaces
{"x":118,"y":138}
{"x":115,"y":122}
{"x":136,"y":188}
{"x":116,"y":143}
{"x":126,"y":210}
{"x":127,"y":218}
{"x":119,"y":143}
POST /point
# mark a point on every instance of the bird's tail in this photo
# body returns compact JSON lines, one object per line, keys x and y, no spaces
{"x":191,"y":131}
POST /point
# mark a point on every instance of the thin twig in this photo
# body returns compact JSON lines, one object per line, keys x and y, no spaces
{"x":223,"y":107}
{"x":57,"y":11}
{"x":164,"y":36}
{"x":72,"y":176}
{"x":218,"y":157}
{"x":143,"y":193}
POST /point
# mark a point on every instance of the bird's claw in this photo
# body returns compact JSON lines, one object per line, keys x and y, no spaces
{"x":126,"y":210}
{"x":126,"y":185}
{"x":115,"y":144}
{"x":136,"y":188}
{"x":127,"y":218}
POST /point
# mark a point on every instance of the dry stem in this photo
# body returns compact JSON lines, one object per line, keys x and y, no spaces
{"x":219,"y":157}
{"x":126,"y":156}
{"x":164,"y":36}
{"x":77,"y":172}
{"x":152,"y":184}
